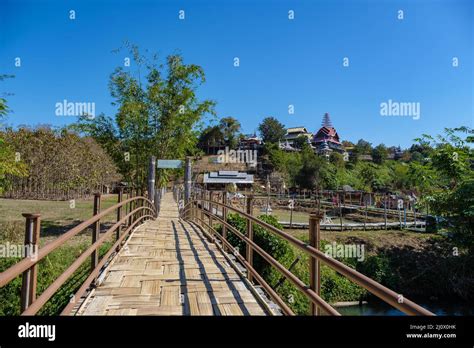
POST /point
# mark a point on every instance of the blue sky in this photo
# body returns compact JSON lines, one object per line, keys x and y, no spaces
{"x":282,"y":61}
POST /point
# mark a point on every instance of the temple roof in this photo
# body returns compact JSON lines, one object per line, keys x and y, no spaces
{"x":326,"y":134}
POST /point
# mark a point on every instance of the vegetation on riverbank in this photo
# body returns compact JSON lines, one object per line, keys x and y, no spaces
{"x":418,"y":266}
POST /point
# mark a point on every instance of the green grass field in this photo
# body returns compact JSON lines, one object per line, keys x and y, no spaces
{"x":56,"y":216}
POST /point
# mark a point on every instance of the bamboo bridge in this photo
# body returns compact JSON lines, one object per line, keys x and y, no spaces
{"x":170,"y":258}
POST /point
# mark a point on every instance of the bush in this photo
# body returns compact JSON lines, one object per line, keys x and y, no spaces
{"x":272,"y":244}
{"x":334,"y":287}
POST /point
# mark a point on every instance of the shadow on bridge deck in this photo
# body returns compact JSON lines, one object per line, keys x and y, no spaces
{"x":167,"y":267}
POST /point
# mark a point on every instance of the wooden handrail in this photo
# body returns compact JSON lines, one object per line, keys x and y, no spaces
{"x":26,"y":263}
{"x":51,"y":290}
{"x":141,"y":212}
{"x":95,"y":272}
{"x":313,"y":297}
{"x":377,"y":289}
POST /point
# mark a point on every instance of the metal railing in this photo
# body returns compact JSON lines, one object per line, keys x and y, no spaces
{"x":130,"y":213}
{"x":202,"y":209}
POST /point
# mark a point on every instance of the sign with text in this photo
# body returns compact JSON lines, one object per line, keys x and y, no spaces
{"x":169,"y":164}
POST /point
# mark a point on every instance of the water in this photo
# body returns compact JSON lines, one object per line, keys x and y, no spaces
{"x":383,"y":309}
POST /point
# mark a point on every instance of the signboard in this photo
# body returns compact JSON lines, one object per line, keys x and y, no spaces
{"x":169,"y":164}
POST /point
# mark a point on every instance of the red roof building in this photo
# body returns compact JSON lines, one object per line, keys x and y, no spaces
{"x":326,"y":138}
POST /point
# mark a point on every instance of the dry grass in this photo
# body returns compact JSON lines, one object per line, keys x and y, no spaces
{"x":374,"y":240}
{"x":57,"y":217}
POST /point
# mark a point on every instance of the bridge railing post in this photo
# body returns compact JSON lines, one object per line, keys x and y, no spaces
{"x":202,"y":208}
{"x":119,"y":212}
{"x":151,"y":178}
{"x":157,"y":202}
{"x":29,"y":277}
{"x":211,"y":197}
{"x":130,"y":207}
{"x":187,"y":179}
{"x":249,"y":235}
{"x":195,"y":207}
{"x":95,"y":232}
{"x":314,"y":266}
{"x":340,"y":211}
{"x":139,"y":206}
{"x":224,"y":217}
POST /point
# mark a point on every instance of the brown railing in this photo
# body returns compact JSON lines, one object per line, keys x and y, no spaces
{"x":203,"y":210}
{"x":130,"y":213}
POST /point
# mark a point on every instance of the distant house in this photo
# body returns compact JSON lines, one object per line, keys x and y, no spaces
{"x":250,"y":142}
{"x":323,"y":142}
{"x":218,"y":180}
{"x":394,"y":153}
{"x":295,"y":132}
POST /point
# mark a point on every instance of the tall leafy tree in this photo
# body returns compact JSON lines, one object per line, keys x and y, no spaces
{"x":271,"y":130}
{"x":210,"y":139}
{"x":379,"y":154}
{"x":230,"y":128}
{"x":60,"y":164}
{"x":10,"y":164}
{"x":315,"y":172}
{"x":363,"y":147}
{"x":300,"y":142}
{"x":452,"y":159}
{"x":158,"y":112}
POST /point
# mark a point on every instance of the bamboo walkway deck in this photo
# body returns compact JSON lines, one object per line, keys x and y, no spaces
{"x":168,"y":267}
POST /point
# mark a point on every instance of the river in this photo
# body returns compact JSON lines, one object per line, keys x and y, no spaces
{"x":383,"y":309}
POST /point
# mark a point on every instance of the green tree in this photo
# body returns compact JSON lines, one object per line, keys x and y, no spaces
{"x":210,"y":139}
{"x":10,"y":164}
{"x":450,"y":180}
{"x":271,"y":130}
{"x":379,"y":154}
{"x":158,"y":110}
{"x":458,"y":207}
{"x":363,"y":147}
{"x":315,"y":171}
{"x":230,"y":128}
{"x":450,"y":155}
{"x":369,"y":176}
{"x":337,"y":159}
{"x":300,"y":142}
